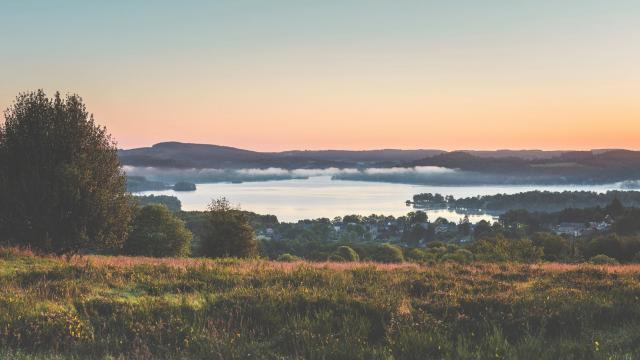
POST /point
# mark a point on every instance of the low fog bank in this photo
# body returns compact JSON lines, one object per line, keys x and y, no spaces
{"x":419,"y":175}
{"x":172,"y":175}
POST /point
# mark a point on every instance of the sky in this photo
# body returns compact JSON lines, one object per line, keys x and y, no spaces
{"x":343,"y":74}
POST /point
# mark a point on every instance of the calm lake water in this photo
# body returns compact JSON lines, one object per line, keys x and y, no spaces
{"x":316,"y":197}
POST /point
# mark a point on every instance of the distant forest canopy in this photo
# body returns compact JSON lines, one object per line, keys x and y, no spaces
{"x":575,"y":167}
{"x":536,"y":201}
{"x":471,"y":167}
{"x":141,"y":183}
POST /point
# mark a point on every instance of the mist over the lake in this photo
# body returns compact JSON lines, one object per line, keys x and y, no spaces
{"x":421,"y":174}
{"x":417,"y":175}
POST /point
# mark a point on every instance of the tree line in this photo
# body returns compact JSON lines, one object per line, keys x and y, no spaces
{"x":541,"y":201}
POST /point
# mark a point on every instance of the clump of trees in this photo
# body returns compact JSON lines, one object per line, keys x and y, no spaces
{"x":157,"y":232}
{"x":542,"y":201}
{"x":227,"y":232}
{"x":171,"y":202}
{"x":62,"y":189}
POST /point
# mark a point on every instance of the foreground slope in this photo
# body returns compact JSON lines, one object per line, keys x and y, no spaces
{"x":95,"y":307}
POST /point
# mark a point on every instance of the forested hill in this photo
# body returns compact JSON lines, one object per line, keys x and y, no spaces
{"x":479,"y":167}
{"x":568,"y":167}
{"x":183,"y":155}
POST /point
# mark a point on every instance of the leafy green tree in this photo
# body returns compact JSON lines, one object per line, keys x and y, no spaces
{"x":61,"y":185}
{"x":555,"y":247}
{"x":524,"y":250}
{"x":157,"y":232}
{"x":464,"y":227}
{"x":483,"y":228}
{"x":417,"y":217}
{"x":628,"y":223}
{"x":615,"y":208}
{"x":228,"y":232}
{"x":612,"y":246}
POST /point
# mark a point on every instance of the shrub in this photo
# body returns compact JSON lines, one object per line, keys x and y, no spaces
{"x":435,"y":244}
{"x":336,"y":258}
{"x":227,"y":232}
{"x":417,"y":255}
{"x":347,"y":253}
{"x":603,"y":260}
{"x":388,"y":253}
{"x":157,"y":232}
{"x":460,"y":256}
{"x":286,"y":257}
{"x":499,"y":248}
{"x":437,"y":251}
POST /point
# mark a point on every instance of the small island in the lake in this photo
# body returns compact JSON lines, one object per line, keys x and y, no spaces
{"x":184,"y":186}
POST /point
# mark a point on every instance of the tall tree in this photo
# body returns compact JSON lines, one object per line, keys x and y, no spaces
{"x":228,"y":233}
{"x":61,"y":185}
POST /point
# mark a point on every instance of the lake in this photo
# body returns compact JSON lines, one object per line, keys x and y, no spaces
{"x":319,"y":196}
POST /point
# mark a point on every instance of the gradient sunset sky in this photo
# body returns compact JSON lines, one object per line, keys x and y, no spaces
{"x":297,"y":74}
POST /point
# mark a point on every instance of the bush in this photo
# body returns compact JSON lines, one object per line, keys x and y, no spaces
{"x":336,"y":258}
{"x":388,"y":253}
{"x":286,"y":257}
{"x":499,"y":248}
{"x":603,"y":260}
{"x":435,"y":244}
{"x":437,"y":251}
{"x":157,"y":232}
{"x":460,"y":256}
{"x":347,"y":253}
{"x":416,"y":255}
{"x":227,"y":232}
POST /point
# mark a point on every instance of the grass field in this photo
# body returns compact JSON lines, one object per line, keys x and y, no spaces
{"x":119,"y":307}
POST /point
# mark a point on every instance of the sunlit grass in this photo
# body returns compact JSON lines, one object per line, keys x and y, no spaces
{"x":100,"y":306}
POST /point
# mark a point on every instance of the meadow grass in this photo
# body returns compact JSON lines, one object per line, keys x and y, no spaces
{"x":122,"y":307}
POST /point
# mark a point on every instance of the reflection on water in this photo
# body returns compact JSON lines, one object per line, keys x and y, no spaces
{"x":316,"y":197}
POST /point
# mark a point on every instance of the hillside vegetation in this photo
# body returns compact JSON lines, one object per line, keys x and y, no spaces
{"x":126,"y":307}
